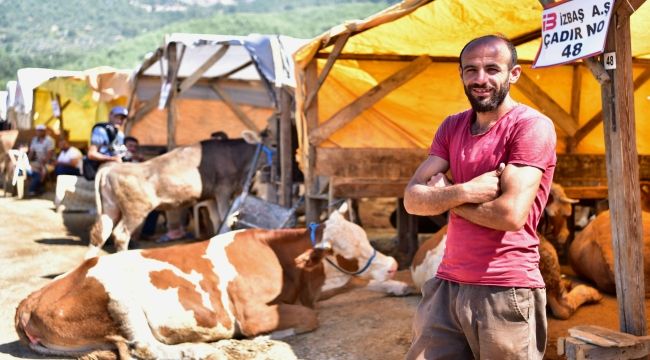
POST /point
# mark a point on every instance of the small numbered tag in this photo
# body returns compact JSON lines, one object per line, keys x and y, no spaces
{"x":610,"y":61}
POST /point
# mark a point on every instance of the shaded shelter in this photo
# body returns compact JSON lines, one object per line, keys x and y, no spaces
{"x":197,"y":84}
{"x":70,"y":101}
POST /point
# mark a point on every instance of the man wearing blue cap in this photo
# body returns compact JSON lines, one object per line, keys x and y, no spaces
{"x":106,"y":142}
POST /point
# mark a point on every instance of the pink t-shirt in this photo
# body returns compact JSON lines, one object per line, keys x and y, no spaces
{"x":477,"y":254}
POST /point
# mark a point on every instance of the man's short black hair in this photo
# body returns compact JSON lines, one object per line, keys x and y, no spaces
{"x":509,"y":44}
{"x":131,"y":138}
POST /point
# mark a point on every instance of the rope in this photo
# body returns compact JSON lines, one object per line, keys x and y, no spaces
{"x":312,"y":236}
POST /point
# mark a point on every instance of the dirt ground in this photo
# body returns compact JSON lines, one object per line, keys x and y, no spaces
{"x":37,"y":243}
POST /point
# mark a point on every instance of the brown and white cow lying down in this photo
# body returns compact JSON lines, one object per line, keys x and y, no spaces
{"x":126,"y":192}
{"x":562,"y":301}
{"x":591,"y":253}
{"x":170,"y":302}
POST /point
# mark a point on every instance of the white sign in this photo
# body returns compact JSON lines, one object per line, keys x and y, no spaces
{"x":609,"y":60}
{"x":573,"y":30}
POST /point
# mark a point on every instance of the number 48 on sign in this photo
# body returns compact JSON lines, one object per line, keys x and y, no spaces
{"x":573,"y":30}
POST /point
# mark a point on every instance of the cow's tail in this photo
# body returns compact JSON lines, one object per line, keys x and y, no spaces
{"x":98,"y":232}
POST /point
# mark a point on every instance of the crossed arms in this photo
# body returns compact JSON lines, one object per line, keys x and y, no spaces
{"x":500,"y":199}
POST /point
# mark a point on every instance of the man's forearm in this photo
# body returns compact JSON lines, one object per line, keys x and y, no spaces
{"x":491,"y":214}
{"x":425,"y":200}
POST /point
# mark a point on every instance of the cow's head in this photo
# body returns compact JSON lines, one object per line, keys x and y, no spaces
{"x":558,"y":210}
{"x":350,"y":251}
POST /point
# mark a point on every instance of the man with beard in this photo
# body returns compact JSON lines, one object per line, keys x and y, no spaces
{"x":487,"y":299}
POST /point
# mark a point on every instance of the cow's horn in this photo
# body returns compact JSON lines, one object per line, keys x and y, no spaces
{"x":569,"y":200}
{"x":251,"y":137}
{"x":343,"y":208}
{"x":323,"y":245}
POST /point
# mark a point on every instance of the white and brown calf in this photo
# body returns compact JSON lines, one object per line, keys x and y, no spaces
{"x":170,"y":302}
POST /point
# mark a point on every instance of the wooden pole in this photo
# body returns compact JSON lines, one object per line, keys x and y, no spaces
{"x":312,"y":203}
{"x":623,"y":178}
{"x":617,"y":95}
{"x":198,"y":73}
{"x":239,"y":113}
{"x":576,"y":87}
{"x":136,"y":81}
{"x":547,"y":105}
{"x":286,"y":146}
{"x":61,"y":108}
{"x":598,"y":118}
{"x":331,"y":59}
{"x":366,"y":100}
{"x":172,"y":70}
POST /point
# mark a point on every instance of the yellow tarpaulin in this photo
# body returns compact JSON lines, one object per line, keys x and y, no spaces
{"x":83,"y":100}
{"x":409,"y":115}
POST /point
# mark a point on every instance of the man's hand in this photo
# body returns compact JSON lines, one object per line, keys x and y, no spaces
{"x":485,"y":187}
{"x":439,"y":180}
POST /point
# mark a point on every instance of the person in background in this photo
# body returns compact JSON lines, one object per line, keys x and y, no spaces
{"x":20,"y":162}
{"x":69,"y":160}
{"x":41,"y":154}
{"x":106,"y":142}
{"x":132,"y":150}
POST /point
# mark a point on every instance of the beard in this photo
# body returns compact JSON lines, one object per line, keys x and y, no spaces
{"x":490,"y":103}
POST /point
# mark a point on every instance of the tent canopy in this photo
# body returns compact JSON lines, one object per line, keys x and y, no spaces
{"x":422,"y":40}
{"x":71,"y":100}
{"x":226,"y":83}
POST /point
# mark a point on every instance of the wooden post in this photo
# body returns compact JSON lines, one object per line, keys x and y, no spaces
{"x":576,"y":87}
{"x":136,"y":80}
{"x":548,"y":106}
{"x":232,"y":105}
{"x":331,"y":59}
{"x":598,"y":118}
{"x":623,"y":178}
{"x":347,"y":114}
{"x":198,"y":73}
{"x":312,"y":203}
{"x":172,"y":70}
{"x":286,"y":146}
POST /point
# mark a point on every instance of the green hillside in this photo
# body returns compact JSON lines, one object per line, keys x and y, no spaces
{"x":81,"y":34}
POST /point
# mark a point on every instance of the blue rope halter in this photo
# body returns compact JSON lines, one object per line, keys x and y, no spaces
{"x":312,"y":236}
{"x":269,"y":154}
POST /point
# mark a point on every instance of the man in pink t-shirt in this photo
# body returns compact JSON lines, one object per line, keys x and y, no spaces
{"x":487,"y":299}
